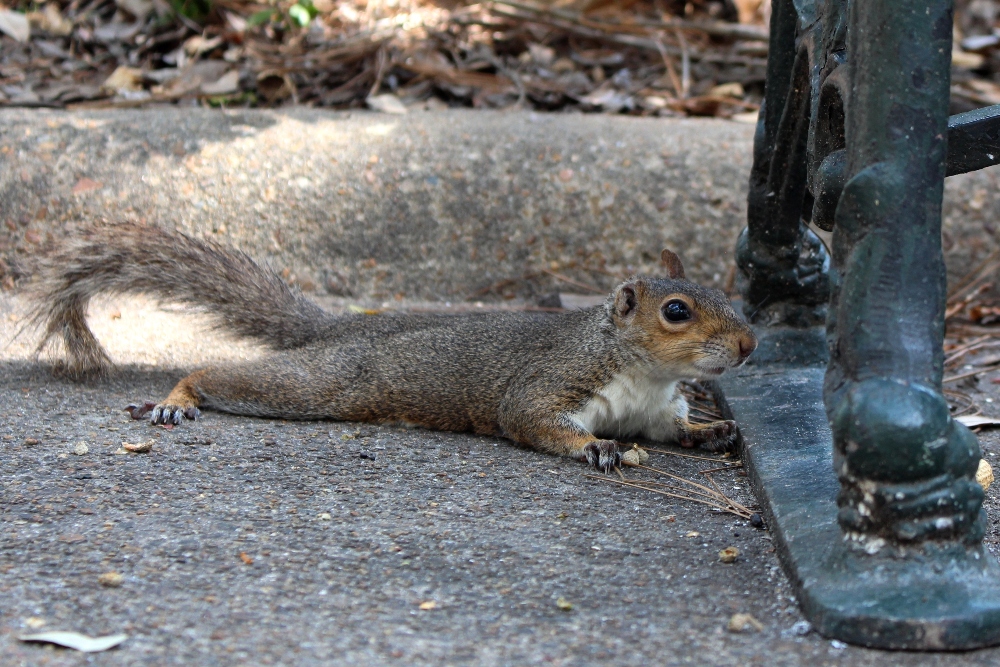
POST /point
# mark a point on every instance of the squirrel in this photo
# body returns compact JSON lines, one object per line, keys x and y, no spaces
{"x":571,"y":383}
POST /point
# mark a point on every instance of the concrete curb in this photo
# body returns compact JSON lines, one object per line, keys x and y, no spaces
{"x":433,"y":205}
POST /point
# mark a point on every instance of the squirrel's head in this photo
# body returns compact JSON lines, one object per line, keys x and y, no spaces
{"x":690,"y":329}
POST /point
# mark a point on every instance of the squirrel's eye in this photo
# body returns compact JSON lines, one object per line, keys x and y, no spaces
{"x":676,"y":310}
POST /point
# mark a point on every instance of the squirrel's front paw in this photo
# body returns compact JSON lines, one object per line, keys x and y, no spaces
{"x":717,"y":436}
{"x":603,"y":455}
{"x":173,"y":414}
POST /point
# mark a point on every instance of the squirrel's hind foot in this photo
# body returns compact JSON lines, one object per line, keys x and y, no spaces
{"x":719,"y":436}
{"x":603,"y":455}
{"x":163,"y":413}
{"x":173,"y":414}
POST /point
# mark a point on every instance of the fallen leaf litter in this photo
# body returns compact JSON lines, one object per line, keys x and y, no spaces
{"x":709,"y":59}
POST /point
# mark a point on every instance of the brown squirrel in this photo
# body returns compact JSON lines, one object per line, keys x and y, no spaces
{"x":564,"y":383}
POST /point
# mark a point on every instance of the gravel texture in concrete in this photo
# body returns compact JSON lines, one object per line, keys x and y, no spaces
{"x":249,"y":541}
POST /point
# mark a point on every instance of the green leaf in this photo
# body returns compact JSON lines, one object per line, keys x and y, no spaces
{"x":308,"y":4}
{"x":261,"y":17}
{"x":300,"y":15}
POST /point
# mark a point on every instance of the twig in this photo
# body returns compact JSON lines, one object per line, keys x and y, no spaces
{"x":567,"y":279}
{"x":380,"y":60}
{"x":713,"y":28}
{"x":736,"y":505}
{"x":962,"y":376}
{"x":685,"y":64}
{"x":972,"y":275}
{"x":711,"y":470}
{"x":958,"y":306}
{"x":965,"y":349}
{"x":718,"y":506}
{"x":503,"y":283}
{"x":671,"y":71}
{"x":691,"y":456}
{"x":668,"y":485}
{"x":707,"y":413}
{"x":646,"y":43}
{"x":683,"y":480}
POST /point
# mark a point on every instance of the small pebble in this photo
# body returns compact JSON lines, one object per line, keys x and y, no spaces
{"x":564,"y":604}
{"x":81,"y":449}
{"x":111,"y":579}
{"x":802,"y":628}
{"x":324,"y":516}
{"x":139,"y":447}
{"x":31,"y":441}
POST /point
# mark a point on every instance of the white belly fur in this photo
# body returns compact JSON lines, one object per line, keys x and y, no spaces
{"x":635,"y":403}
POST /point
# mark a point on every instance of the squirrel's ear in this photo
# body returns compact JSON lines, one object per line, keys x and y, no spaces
{"x":625,"y":301}
{"x":673,"y":264}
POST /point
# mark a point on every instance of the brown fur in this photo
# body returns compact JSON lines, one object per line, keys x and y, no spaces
{"x":519,"y":375}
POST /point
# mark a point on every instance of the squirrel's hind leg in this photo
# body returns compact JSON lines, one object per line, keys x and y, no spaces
{"x":285,"y":385}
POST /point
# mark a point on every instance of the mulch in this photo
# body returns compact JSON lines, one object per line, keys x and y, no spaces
{"x":704,"y":57}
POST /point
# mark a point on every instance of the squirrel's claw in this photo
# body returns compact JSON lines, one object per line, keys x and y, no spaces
{"x":603,"y":455}
{"x":173,"y":414}
{"x":137,"y":411}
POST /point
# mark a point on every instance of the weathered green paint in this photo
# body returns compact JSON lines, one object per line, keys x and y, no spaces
{"x":853,"y":136}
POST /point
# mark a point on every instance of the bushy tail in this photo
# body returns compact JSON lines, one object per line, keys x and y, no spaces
{"x":243,"y":298}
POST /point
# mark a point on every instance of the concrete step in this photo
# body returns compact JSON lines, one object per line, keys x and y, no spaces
{"x":431,"y":205}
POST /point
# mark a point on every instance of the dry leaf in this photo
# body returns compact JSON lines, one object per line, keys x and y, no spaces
{"x":984,"y":474}
{"x":50,"y":20}
{"x":76,"y":641}
{"x":138,"y":448}
{"x":748,"y":10}
{"x":137,"y":8}
{"x":245,"y":558}
{"x":740,"y":622}
{"x":226,"y":84}
{"x":748,"y":117}
{"x":965,"y":60}
{"x":123,"y":79}
{"x":729,"y":555}
{"x":387,"y":103}
{"x":427,"y":606}
{"x":15,"y":24}
{"x":734,"y":89}
{"x":977,"y":420}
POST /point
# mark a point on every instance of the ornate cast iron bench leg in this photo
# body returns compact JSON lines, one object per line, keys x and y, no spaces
{"x":871,"y":492}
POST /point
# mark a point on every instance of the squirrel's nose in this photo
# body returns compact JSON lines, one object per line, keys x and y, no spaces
{"x":747,"y":346}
